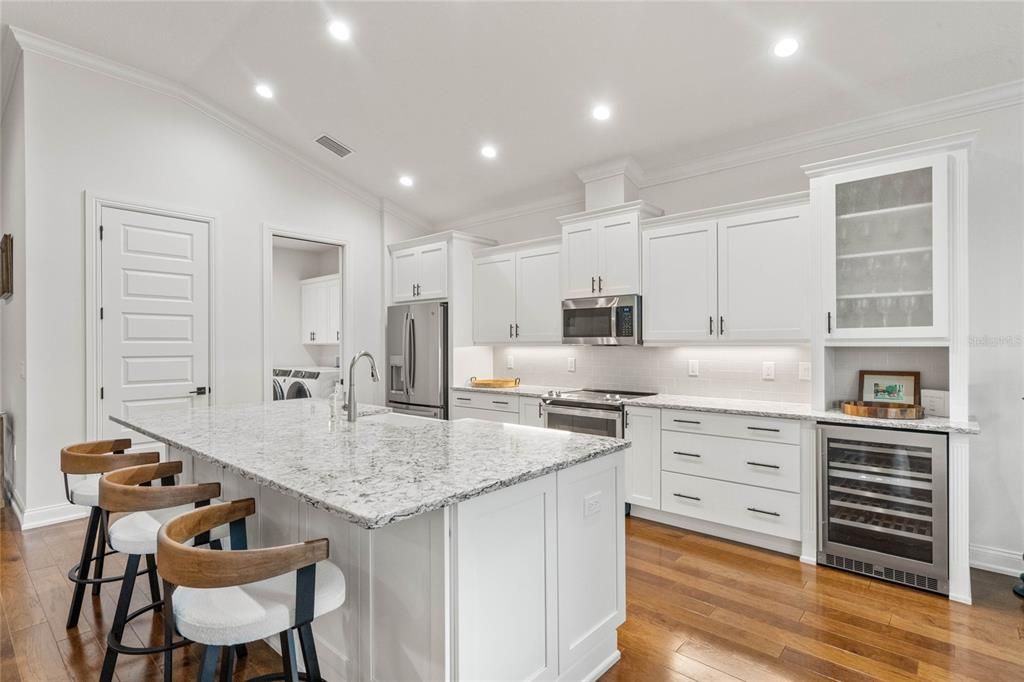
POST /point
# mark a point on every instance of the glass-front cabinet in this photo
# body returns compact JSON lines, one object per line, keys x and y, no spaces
{"x":886,"y":250}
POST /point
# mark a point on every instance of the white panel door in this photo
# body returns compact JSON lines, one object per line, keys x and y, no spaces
{"x":155,"y":327}
{"x":494,"y":299}
{"x":538,"y":299}
{"x":643,"y":458}
{"x":433,"y":266}
{"x":763,"y":275}
{"x":507,"y":567}
{"x":680,"y":282}
{"x":619,"y":256}
{"x":580,"y":263}
{"x":529,"y":412}
{"x":404,"y":274}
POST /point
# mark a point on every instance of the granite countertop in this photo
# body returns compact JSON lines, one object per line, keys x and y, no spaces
{"x":383,"y":468}
{"x":527,"y":390}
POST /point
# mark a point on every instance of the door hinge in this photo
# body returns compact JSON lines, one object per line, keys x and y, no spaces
{"x":101,"y":393}
{"x":101,"y":233}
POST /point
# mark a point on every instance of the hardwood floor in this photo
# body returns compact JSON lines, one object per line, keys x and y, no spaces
{"x":698,"y":609}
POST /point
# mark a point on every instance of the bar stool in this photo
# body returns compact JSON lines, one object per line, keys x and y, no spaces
{"x":135,"y":534}
{"x":223,"y":599}
{"x":91,"y":459}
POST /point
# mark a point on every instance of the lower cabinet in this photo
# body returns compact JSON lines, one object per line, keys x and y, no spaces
{"x":493,"y":407}
{"x":773,"y":512}
{"x":529,"y":412}
{"x":458,"y":412}
{"x":643,"y":458}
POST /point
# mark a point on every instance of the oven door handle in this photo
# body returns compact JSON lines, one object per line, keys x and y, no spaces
{"x":608,"y":415}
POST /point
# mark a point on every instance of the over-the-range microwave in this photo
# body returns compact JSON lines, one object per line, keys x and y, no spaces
{"x":602,"y":321}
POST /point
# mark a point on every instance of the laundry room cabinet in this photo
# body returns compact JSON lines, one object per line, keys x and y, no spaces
{"x":321,"y":310}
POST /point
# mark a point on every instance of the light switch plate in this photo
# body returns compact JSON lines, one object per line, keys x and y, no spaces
{"x":571,"y":364}
{"x":805,"y":371}
{"x":768,"y":371}
{"x":510,"y":361}
{"x":694,"y":368}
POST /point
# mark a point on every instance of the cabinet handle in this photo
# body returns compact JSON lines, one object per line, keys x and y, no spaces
{"x":711,"y":325}
{"x":766,"y":466}
{"x":828,"y":326}
{"x":517,"y":330}
{"x":685,"y":421}
{"x":762,"y":428}
{"x":687,"y":497}
{"x":600,"y":285}
{"x":540,"y":411}
{"x":592,"y":283}
{"x":762,"y":511}
{"x":510,"y":330}
{"x":466,"y":399}
{"x":499,"y":402}
{"x":312,"y":336}
{"x":337,"y":335}
{"x":721,"y":325}
{"x":688,"y":454}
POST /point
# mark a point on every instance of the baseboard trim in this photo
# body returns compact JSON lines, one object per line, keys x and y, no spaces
{"x":747,"y":537}
{"x":17,"y":505}
{"x":48,"y":516}
{"x":997,"y":560}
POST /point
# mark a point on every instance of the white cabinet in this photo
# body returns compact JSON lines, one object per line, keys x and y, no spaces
{"x":885,"y":246}
{"x":516,"y":296}
{"x":601,"y":251}
{"x":419,"y":272}
{"x":643,"y":458}
{"x":763,"y":284}
{"x":321,"y":310}
{"x":529,"y":412}
{"x":680,"y":282}
{"x":740,"y":277}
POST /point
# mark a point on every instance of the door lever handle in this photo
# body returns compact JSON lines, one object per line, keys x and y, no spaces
{"x":200,"y":390}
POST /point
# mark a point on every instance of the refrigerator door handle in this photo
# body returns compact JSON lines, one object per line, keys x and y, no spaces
{"x":412,"y":353}
{"x":405,"y":354}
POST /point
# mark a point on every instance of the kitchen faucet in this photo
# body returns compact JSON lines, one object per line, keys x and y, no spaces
{"x":352,"y":381}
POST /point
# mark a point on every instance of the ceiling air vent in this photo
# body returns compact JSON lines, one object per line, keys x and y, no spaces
{"x":333,"y":145}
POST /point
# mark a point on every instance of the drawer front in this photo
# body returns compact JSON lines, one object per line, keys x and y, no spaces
{"x":737,"y":426}
{"x":752,"y":462}
{"x":459,"y":412}
{"x":486,"y":401}
{"x":773,"y":512}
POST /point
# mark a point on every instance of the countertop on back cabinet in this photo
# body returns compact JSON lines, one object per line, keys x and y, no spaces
{"x":525,"y":390}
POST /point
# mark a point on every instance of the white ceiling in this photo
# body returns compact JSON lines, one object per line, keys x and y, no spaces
{"x":422,"y":85}
{"x":301,"y":245}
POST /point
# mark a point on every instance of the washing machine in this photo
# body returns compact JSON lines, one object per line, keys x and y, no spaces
{"x":311,"y":383}
{"x":279,"y":380}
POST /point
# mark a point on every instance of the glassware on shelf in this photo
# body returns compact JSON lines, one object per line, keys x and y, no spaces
{"x":908,"y":304}
{"x":875,"y":272}
{"x":885,"y":305}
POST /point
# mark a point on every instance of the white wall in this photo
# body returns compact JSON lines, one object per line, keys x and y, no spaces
{"x":291,"y":266}
{"x":996,"y":245}
{"x":88,"y":131}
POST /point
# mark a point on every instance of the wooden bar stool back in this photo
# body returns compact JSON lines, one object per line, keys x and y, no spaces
{"x":90,"y":460}
{"x":223,"y":599}
{"x":145,"y":508}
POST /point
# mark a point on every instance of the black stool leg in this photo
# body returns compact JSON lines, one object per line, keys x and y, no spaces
{"x":83,"y":568}
{"x":309,"y":653}
{"x":291,"y":668}
{"x":154,"y":580}
{"x":101,"y":553}
{"x":241,"y":650}
{"x":227,"y":666}
{"x":120,"y":617}
{"x":1018,"y":589}
{"x":208,"y":666}
{"x":168,"y":632}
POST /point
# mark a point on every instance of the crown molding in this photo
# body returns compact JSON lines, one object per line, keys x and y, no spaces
{"x":956,"y":106}
{"x":560,"y":202}
{"x":37,"y":44}
{"x":445,"y":236}
{"x":625,"y":166}
{"x":403,"y":214}
{"x":763,"y":204}
{"x":645,"y":209}
{"x":945,"y":143}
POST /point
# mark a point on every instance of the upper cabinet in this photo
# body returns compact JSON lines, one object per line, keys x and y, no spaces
{"x":420,"y":272}
{"x":885,"y":224}
{"x":739,"y":276}
{"x":601,"y":251}
{"x":321,"y":310}
{"x":516,"y":295}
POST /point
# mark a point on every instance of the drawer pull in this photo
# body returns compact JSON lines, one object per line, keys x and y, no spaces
{"x":499,"y":402}
{"x":762,"y":511}
{"x":466,"y":399}
{"x":685,"y":454}
{"x":763,"y":428}
{"x":685,"y":421}
{"x":687,"y":497}
{"x":766,"y":466}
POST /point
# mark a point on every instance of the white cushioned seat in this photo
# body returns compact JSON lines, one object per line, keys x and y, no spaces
{"x":136,"y":533}
{"x":224,"y":616}
{"x":85,"y":492}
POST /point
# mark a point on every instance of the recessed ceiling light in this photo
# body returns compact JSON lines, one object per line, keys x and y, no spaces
{"x":339,"y":30}
{"x":786,"y":47}
{"x":488,"y":151}
{"x":264,"y":91}
{"x":601,"y":112}
{"x":406,"y":181}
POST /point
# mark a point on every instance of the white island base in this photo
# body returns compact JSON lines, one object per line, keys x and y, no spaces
{"x":524,"y":583}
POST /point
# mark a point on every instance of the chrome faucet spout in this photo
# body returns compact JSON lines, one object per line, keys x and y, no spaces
{"x":353,"y":409}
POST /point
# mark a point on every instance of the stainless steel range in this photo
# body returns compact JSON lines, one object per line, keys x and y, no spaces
{"x":595,"y":411}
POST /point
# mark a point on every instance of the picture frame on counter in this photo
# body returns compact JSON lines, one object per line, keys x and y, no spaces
{"x":893,"y":387}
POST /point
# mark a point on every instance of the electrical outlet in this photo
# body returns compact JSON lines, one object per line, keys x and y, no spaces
{"x":591,"y":504}
{"x":694,"y":368}
{"x":510,"y":361}
{"x":571,"y":364}
{"x":805,"y":371}
{"x":768,"y":371}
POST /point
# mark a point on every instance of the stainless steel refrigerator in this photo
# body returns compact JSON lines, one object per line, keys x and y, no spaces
{"x":417,"y":349}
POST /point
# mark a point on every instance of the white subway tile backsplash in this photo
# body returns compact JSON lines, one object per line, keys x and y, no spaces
{"x":725,"y":372}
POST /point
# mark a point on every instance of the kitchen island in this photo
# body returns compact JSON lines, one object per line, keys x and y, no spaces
{"x":472,"y":550}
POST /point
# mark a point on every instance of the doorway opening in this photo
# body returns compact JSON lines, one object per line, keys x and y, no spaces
{"x":305,"y":317}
